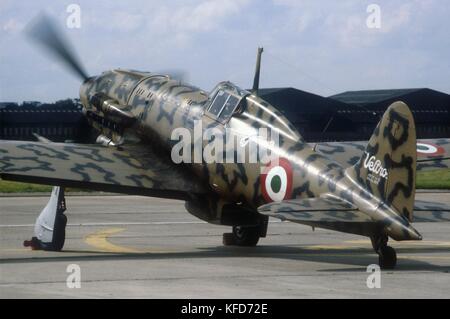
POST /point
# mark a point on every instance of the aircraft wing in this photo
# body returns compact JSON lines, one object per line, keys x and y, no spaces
{"x":431,"y":212}
{"x":130,"y":169}
{"x":431,"y":154}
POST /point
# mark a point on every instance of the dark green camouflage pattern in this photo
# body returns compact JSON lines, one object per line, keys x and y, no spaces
{"x":138,"y":111}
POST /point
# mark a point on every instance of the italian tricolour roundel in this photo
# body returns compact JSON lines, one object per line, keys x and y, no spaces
{"x":429,"y":149}
{"x":276,"y":181}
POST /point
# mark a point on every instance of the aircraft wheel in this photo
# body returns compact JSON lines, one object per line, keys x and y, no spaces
{"x":242,"y":236}
{"x":387,"y":258}
{"x":246,"y":236}
{"x":60,"y":233}
{"x":228,"y":239}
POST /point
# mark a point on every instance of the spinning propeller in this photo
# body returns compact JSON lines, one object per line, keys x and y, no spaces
{"x":44,"y":31}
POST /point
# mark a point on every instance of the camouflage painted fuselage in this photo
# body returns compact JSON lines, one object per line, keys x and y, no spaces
{"x":143,"y":120}
{"x":158,"y":105}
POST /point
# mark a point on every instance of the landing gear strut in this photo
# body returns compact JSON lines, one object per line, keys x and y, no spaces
{"x":387,"y":257}
{"x":50,"y":227}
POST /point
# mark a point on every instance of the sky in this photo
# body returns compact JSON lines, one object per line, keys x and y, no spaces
{"x":320,"y":46}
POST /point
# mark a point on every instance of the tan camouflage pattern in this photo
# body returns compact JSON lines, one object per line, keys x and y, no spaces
{"x":348,"y":153}
{"x":136,"y":170}
{"x":324,"y":212}
{"x":138,"y":158}
{"x":394,"y":145}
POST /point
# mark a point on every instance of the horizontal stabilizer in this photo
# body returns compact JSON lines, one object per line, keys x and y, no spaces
{"x":431,"y":154}
{"x":431,"y":212}
{"x":315,"y":210}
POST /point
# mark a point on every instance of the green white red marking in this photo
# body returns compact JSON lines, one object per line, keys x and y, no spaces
{"x":429,"y":149}
{"x":276,"y":181}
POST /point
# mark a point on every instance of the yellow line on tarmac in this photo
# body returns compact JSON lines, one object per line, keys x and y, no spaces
{"x":362,"y":243}
{"x":328,"y":247}
{"x":425,"y":257}
{"x":15,"y":249}
{"x":100,"y":241}
{"x":403,"y":243}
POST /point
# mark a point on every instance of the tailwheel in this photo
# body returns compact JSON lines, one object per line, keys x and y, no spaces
{"x":387,"y":258}
{"x":242,"y":236}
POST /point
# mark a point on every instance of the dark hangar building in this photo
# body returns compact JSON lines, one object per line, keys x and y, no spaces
{"x":59,"y":122}
{"x":348,"y":116}
{"x":317,"y":118}
{"x":353,"y":115}
{"x":431,"y":109}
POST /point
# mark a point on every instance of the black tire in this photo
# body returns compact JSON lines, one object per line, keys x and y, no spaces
{"x":246,"y":236}
{"x":387,"y":258}
{"x":228,"y":239}
{"x":60,"y":233}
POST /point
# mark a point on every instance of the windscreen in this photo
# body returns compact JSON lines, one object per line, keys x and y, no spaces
{"x":223,"y":105}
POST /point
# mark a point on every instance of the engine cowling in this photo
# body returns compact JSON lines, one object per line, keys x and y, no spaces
{"x":112,"y":110}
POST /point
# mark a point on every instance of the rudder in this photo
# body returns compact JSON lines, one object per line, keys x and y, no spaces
{"x":387,"y":168}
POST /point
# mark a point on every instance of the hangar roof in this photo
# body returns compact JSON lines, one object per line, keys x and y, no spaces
{"x":377,"y":96}
{"x":293,"y":100}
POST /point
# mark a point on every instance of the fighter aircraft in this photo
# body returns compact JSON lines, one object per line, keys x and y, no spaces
{"x":360,"y":188}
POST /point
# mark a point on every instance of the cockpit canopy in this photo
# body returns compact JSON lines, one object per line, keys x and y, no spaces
{"x":225,"y":100}
{"x":228,"y":101}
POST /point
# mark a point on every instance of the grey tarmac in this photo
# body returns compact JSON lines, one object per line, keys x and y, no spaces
{"x":140,"y":247}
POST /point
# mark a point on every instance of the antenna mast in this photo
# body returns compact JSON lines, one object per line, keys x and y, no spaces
{"x":257,"y":71}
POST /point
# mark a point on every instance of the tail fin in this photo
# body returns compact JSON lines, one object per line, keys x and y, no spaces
{"x":387,"y":168}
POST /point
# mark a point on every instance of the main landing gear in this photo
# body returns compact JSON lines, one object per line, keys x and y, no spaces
{"x":247,"y":236}
{"x":50,"y":227}
{"x":242,"y":236}
{"x":387,"y":257}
